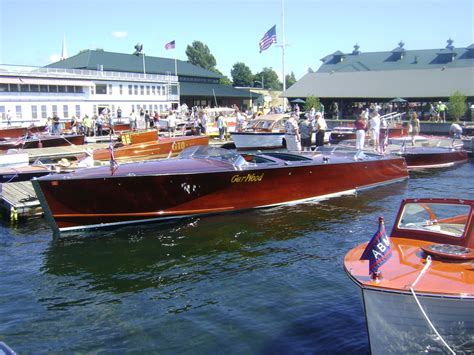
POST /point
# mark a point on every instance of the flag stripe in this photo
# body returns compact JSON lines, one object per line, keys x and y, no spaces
{"x":268,"y":39}
{"x":170,"y":45}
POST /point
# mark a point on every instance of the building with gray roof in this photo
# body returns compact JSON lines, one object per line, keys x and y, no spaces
{"x":415,"y":75}
{"x":198,"y":86}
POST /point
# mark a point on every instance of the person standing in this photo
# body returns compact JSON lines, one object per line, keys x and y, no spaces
{"x":220,"y":125}
{"x":147,"y":119}
{"x":441,"y":108}
{"x":204,"y":122}
{"x":360,"y":126}
{"x":171,"y":124}
{"x":100,"y":124}
{"x":56,"y":123}
{"x":306,"y":131}
{"x":119,"y":114}
{"x":292,"y":134}
{"x":87,"y":123}
{"x":239,"y":121}
{"x":321,"y":127}
{"x":133,"y":121}
{"x":9,"y":118}
{"x":414,"y":127}
{"x":375,"y":129}
{"x":455,"y":130}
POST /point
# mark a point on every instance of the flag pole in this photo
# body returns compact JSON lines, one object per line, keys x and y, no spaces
{"x":283,"y":44}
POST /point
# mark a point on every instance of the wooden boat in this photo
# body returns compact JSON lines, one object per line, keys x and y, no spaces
{"x":264,"y":132}
{"x":15,"y":132}
{"x":203,"y":180}
{"x":22,"y":173}
{"x":433,"y":157}
{"x":42,"y":141}
{"x":422,"y":298}
{"x":145,"y":148}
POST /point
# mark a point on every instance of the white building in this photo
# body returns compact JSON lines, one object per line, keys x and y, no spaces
{"x":31,"y":95}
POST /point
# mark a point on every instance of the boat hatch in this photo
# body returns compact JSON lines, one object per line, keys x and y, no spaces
{"x":440,"y":218}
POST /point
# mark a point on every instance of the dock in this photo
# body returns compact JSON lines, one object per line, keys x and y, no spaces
{"x":18,"y":200}
{"x":56,"y":153}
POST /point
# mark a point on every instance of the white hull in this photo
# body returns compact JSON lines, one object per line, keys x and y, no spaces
{"x":396,"y":324}
{"x":258,"y":140}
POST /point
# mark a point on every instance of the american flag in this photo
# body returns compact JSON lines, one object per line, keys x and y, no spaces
{"x":268,"y":39}
{"x":378,"y":249}
{"x":170,"y":45}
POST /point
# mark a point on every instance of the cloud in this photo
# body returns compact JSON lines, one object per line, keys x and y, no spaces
{"x":119,"y":34}
{"x":55,"y":58}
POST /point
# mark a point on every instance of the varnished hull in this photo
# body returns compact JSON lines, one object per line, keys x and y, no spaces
{"x":44,"y":142}
{"x":15,"y":132}
{"x":432,"y":157}
{"x":176,"y":188}
{"x":162,"y":148}
{"x":337,"y":137}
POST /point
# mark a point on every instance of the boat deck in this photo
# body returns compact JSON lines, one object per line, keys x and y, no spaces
{"x":18,"y":199}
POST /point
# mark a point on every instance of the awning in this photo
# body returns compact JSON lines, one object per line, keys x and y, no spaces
{"x":39,"y":81}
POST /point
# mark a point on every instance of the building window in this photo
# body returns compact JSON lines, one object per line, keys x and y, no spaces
{"x":53,"y":88}
{"x":70,"y":89}
{"x":135,"y":89}
{"x":44,"y":111}
{"x":94,"y":110}
{"x":3,"y":87}
{"x":24,"y":88}
{"x":78,"y":110}
{"x":142,"y":90}
{"x":44,"y":88}
{"x":148,"y":89}
{"x":18,"y":111}
{"x":2,"y":112}
{"x":34,"y":111}
{"x":61,"y":88}
{"x":78,"y":89}
{"x":92,"y":89}
{"x":101,"y":89}
{"x":153,"y":90}
{"x":14,"y":88}
{"x":66,"y":111}
{"x":34,"y":88}
{"x":120,"y":89}
{"x":130,"y":90}
{"x":110,"y":89}
{"x":163,"y":90}
{"x":55,"y":110}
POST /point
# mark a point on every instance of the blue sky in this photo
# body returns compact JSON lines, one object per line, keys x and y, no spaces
{"x":31,"y":31}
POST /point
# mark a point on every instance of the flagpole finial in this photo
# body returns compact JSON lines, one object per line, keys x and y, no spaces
{"x":381,"y":220}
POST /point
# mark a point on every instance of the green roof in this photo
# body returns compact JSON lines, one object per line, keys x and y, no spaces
{"x":209,"y":90}
{"x":121,"y":62}
{"x":410,"y":59}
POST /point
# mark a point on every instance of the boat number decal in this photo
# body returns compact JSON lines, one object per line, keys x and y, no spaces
{"x":126,"y":139}
{"x":247,"y":178}
{"x":188,"y":188}
{"x":178,"y":145}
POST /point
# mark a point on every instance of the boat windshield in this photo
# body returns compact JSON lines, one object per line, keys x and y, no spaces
{"x":441,"y":218}
{"x":214,"y":153}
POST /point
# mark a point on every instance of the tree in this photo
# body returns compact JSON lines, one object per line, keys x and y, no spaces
{"x":225,"y":81}
{"x":290,"y":79}
{"x":199,"y":54}
{"x":270,"y":79}
{"x":312,"y":101}
{"x":457,"y":105}
{"x":241,"y":75}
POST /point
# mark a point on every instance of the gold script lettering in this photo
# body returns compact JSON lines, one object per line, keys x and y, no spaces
{"x":246,"y":178}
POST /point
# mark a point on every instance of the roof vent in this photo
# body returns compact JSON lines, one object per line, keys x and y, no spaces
{"x":356,"y":49}
{"x":399,"y":52}
{"x":447,"y":54}
{"x":450,"y":44}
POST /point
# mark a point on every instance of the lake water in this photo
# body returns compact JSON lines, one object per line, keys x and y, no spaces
{"x":259,"y":282}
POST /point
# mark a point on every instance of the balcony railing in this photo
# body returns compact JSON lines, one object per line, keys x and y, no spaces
{"x":15,"y":70}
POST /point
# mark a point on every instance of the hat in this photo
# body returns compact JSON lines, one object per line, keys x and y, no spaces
{"x":64,"y":162}
{"x":317,"y":113}
{"x":89,"y":151}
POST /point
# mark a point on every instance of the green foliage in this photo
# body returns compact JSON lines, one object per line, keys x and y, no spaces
{"x":312,"y":101}
{"x":241,"y":75}
{"x":225,"y":81}
{"x":199,"y":54}
{"x":457,"y":105}
{"x":290,"y":79}
{"x":270,"y":79}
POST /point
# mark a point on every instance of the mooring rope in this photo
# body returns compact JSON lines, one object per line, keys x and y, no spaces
{"x":427,"y":265}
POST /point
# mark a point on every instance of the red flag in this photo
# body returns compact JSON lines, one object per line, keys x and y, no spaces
{"x":170,"y":45}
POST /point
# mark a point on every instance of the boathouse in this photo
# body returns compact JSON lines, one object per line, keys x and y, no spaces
{"x":420,"y":76}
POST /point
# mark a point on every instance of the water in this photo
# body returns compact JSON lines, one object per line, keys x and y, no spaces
{"x":264,"y":281}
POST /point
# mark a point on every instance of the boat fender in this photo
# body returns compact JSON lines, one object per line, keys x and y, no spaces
{"x":449,"y":252}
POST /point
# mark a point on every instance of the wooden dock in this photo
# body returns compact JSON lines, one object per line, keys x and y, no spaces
{"x":18,"y":200}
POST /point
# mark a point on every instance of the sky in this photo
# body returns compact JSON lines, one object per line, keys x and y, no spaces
{"x":32,"y":31}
